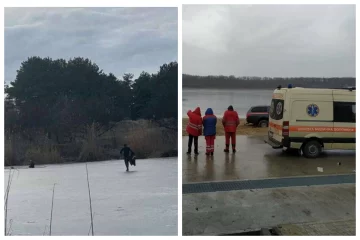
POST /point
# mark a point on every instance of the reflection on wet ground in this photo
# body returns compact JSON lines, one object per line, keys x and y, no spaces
{"x":235,"y":211}
{"x":255,"y":160}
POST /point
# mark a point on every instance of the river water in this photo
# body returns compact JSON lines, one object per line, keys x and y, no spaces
{"x":219,"y":100}
{"x":140,"y":202}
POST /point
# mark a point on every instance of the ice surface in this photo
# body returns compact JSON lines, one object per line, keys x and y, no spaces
{"x":140,"y":202}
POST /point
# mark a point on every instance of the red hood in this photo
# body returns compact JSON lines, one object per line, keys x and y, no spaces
{"x":197,"y":111}
{"x":231,"y":112}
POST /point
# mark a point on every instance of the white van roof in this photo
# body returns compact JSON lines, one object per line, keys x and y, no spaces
{"x":317,"y":90}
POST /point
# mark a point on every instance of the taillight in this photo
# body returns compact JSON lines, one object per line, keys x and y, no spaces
{"x":285,"y":128}
{"x":247,"y":115}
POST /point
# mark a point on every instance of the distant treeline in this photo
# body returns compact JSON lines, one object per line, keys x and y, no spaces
{"x":59,"y":110}
{"x":230,"y":82}
{"x":59,"y":96}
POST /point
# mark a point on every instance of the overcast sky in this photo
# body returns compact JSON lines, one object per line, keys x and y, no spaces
{"x":269,"y":40}
{"x":118,"y":40}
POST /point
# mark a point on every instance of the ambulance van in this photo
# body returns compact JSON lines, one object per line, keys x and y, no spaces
{"x":312,"y":120}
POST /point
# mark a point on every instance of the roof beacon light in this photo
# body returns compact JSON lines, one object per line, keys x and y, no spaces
{"x":290,"y":85}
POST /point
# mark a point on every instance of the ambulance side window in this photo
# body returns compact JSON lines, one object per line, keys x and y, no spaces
{"x":345,"y":112}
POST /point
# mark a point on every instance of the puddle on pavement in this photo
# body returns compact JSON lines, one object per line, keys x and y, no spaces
{"x":261,"y":232}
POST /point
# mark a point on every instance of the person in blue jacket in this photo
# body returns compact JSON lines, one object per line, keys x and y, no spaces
{"x":209,"y":123}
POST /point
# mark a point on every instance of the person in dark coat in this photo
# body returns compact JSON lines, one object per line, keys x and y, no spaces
{"x":32,"y":164}
{"x":209,"y":123}
{"x":133,"y":160}
{"x":128,"y":154}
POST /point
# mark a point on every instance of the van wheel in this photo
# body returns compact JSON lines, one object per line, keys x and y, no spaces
{"x":312,"y":149}
{"x":263,"y":123}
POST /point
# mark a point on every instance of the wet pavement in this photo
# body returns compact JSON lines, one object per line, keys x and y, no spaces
{"x":231,"y":212}
{"x":256,"y":160}
{"x":140,"y":202}
{"x":328,"y":228}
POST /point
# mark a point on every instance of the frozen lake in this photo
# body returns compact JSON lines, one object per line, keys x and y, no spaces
{"x":219,"y":100}
{"x":140,"y":202}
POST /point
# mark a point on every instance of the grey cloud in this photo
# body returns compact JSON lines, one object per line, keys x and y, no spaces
{"x":119,"y":40}
{"x":269,"y":40}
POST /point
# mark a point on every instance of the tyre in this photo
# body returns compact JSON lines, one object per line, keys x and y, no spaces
{"x":312,"y":149}
{"x":263,"y":123}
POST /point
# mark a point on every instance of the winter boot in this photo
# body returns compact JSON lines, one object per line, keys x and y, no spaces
{"x":196,"y":150}
{"x":189,"y":151}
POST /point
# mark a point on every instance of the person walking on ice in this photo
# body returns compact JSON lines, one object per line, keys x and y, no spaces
{"x":128,"y":154}
{"x":209,"y":123}
{"x":194,"y":129}
{"x":230,"y":122}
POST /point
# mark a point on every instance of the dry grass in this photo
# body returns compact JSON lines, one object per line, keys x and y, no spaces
{"x":241,"y":130}
{"x":91,"y":225}
{"x":13,"y":148}
{"x":6,"y":201}
{"x":43,"y":154}
{"x":52,"y":208}
{"x":91,"y":212}
{"x":147,"y":140}
{"x":9,"y":153}
{"x":91,"y":151}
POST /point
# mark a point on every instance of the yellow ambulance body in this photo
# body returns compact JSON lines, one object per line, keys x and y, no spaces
{"x":312,"y":120}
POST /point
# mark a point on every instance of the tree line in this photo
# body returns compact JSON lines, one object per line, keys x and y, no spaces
{"x":231,"y":82}
{"x":59,"y":97}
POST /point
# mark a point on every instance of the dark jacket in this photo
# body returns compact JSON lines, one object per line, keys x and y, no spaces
{"x":126,"y":151}
{"x":209,"y":123}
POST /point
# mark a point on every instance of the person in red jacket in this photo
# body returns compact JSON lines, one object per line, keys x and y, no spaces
{"x":194,"y":129}
{"x":230,"y":122}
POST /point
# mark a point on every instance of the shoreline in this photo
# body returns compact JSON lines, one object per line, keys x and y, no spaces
{"x":242,"y":129}
{"x":43,"y":165}
{"x":225,"y":88}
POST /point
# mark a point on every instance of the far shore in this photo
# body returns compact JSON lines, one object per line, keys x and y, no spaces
{"x":242,"y":129}
{"x":43,"y":165}
{"x":226,"y":88}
